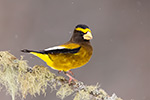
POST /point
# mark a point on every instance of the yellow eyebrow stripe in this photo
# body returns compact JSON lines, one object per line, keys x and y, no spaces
{"x":83,"y":30}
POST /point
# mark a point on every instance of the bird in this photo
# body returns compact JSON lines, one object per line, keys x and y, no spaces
{"x":71,"y":55}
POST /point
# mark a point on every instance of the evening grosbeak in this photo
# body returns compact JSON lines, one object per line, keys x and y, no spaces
{"x":70,"y":55}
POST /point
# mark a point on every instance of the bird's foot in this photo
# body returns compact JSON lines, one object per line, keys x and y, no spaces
{"x":70,"y":78}
{"x":59,"y":71}
{"x":70,"y":72}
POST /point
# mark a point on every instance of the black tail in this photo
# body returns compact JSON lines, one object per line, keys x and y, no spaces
{"x":28,"y":51}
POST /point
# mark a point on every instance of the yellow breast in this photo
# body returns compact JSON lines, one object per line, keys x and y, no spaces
{"x":65,"y":62}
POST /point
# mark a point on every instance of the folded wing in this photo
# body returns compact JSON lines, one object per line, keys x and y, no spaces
{"x":59,"y":49}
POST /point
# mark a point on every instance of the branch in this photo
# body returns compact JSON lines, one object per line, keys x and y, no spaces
{"x":20,"y":80}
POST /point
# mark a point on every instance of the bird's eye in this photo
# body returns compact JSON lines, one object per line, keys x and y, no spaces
{"x":81,"y":33}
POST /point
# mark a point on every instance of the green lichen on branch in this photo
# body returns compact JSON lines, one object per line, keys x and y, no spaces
{"x":21,"y":80}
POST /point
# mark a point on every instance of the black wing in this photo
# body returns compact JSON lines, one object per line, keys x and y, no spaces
{"x":64,"y":50}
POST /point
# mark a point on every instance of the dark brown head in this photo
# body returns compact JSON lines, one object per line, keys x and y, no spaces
{"x":82,"y":33}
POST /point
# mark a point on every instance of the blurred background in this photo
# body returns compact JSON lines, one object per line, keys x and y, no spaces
{"x":121,"y":30}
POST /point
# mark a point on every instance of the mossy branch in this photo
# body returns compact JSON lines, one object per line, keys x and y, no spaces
{"x":20,"y":80}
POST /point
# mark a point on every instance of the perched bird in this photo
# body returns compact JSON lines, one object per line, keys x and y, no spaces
{"x":70,"y":55}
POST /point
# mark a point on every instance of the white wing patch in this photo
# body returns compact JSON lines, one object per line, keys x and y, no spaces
{"x":54,"y":48}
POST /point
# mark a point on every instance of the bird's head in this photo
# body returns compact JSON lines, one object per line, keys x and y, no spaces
{"x":81,"y":33}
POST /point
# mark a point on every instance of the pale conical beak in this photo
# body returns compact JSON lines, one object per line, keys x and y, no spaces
{"x":88,"y":36}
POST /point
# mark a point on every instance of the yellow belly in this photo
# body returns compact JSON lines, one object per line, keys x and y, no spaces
{"x":65,"y":62}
